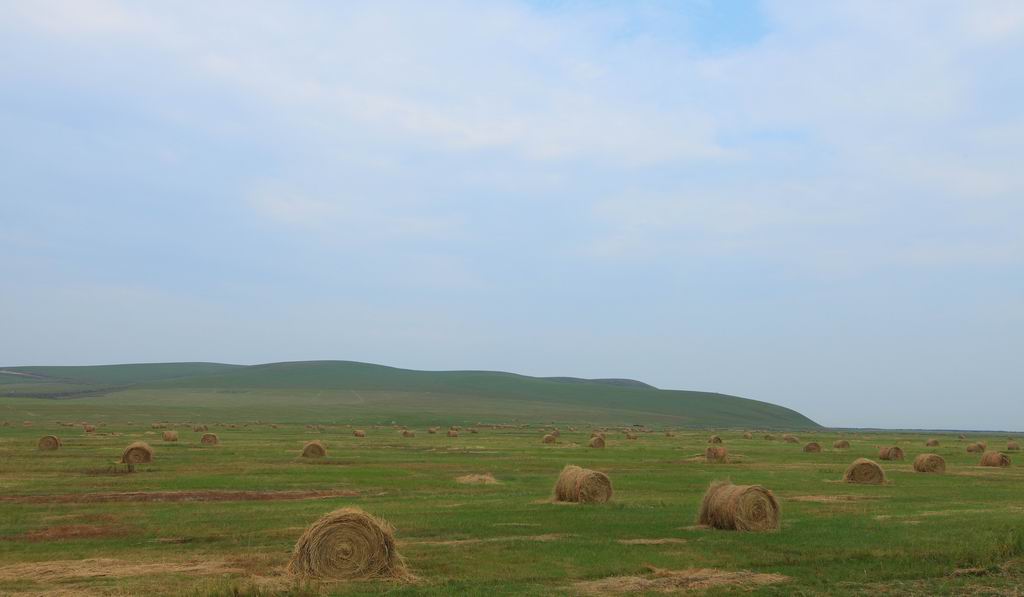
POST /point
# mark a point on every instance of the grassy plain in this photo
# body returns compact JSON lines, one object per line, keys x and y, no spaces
{"x":911,"y":536}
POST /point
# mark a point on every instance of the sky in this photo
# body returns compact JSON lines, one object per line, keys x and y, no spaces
{"x":815,"y":204}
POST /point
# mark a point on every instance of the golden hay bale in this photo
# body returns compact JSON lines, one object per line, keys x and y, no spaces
{"x":864,"y":471}
{"x":670,"y":434}
{"x":1012,"y":447}
{"x":88,"y":428}
{"x":455,"y":428}
{"x":748,"y":435}
{"x":769,"y":436}
{"x":137,"y":453}
{"x":555,"y":432}
{"x":158,"y":426}
{"x":314,"y":449}
{"x":359,"y":433}
{"x":49,"y":442}
{"x":890,"y":453}
{"x":976,"y":448}
{"x":596,"y":442}
{"x":170,"y":436}
{"x":812,"y":447}
{"x":549,"y":439}
{"x":582,"y":485}
{"x":200,"y":428}
{"x":714,"y":439}
{"x":209,"y":439}
{"x":739,"y":508}
{"x":408,"y":433}
{"x":453,"y":433}
{"x":929,"y":463}
{"x":932,"y":443}
{"x":841,"y":444}
{"x":716,"y":454}
{"x":347,"y":544}
{"x":994,"y":459}
{"x":790,"y":439}
{"x":432,"y":430}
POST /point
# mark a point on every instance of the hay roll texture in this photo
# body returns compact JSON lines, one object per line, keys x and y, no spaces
{"x":49,"y":442}
{"x":137,"y":453}
{"x":929,"y":463}
{"x":841,"y":444}
{"x":170,"y":436}
{"x":408,"y":433}
{"x":347,"y":544}
{"x":790,"y":439}
{"x":596,"y":442}
{"x":88,"y":428}
{"x":453,"y":433}
{"x":714,"y":439}
{"x":976,"y":448}
{"x":1013,"y":447}
{"x":932,"y":443}
{"x":994,"y":459}
{"x":549,"y":439}
{"x":716,"y":454}
{"x":748,"y":435}
{"x":891,"y":453}
{"x":812,"y":447}
{"x":314,"y":449}
{"x":581,"y":485}
{"x":359,"y":433}
{"x":864,"y":471}
{"x":210,"y":439}
{"x":739,"y":508}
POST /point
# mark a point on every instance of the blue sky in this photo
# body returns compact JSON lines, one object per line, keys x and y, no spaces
{"x":817,"y":204}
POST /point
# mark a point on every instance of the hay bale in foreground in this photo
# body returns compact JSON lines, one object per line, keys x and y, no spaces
{"x":453,"y":433}
{"x":1012,"y":447}
{"x":994,"y":459}
{"x":209,"y":439}
{"x":170,"y":436}
{"x":929,"y":463}
{"x":890,"y":453}
{"x":976,"y":448}
{"x":813,"y":447}
{"x":549,"y":439}
{"x":347,"y":544}
{"x":49,"y":442}
{"x":790,"y":439}
{"x":739,"y":508}
{"x":715,"y":454}
{"x":714,"y":439}
{"x":408,"y":433}
{"x":932,"y":443}
{"x":582,"y":485}
{"x":137,"y":453}
{"x":359,"y":433}
{"x":865,"y":472}
{"x":841,"y":444}
{"x":596,"y":442}
{"x":314,"y":449}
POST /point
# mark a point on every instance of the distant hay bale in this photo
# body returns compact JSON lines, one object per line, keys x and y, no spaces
{"x":630,"y":435}
{"x":432,"y":430}
{"x":748,"y":435}
{"x":453,"y":433}
{"x":472,"y":430}
{"x":976,"y":448}
{"x":408,"y":433}
{"x":670,"y":434}
{"x":813,"y":447}
{"x":932,"y":443}
{"x":359,"y":433}
{"x":49,"y":442}
{"x":555,"y":432}
{"x":714,"y":439}
{"x":890,"y":453}
{"x":1012,"y":447}
{"x":170,"y":436}
{"x":347,"y":544}
{"x":994,"y":459}
{"x":597,"y":434}
{"x":790,"y":439}
{"x":865,"y":472}
{"x":716,"y":454}
{"x":961,"y":436}
{"x":929,"y":463}
{"x":769,"y":436}
{"x":549,"y":439}
{"x":200,"y":428}
{"x":477,"y":479}
{"x":314,"y":449}
{"x":455,"y":428}
{"x":596,"y":442}
{"x":583,"y":486}
{"x":209,"y":439}
{"x":137,"y":453}
{"x":841,"y":444}
{"x":88,"y":428}
{"x":739,"y":508}
{"x":158,"y":426}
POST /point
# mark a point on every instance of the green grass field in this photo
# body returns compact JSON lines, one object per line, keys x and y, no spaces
{"x":69,"y":526}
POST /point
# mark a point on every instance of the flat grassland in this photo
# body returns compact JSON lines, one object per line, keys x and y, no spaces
{"x":222,"y":520}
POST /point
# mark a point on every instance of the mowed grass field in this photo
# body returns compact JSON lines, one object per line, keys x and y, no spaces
{"x":72,"y":522}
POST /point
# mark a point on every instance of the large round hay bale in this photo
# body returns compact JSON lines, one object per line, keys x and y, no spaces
{"x":200,"y":428}
{"x":314,"y":449}
{"x":790,"y":439}
{"x":841,"y":444}
{"x":88,"y":428}
{"x":347,"y":544}
{"x":582,"y":485}
{"x":1012,"y":447}
{"x":716,"y":454}
{"x":932,"y":443}
{"x":670,"y":434}
{"x":453,"y":433}
{"x":994,"y":459}
{"x":714,"y":439}
{"x":748,"y":435}
{"x":137,"y":453}
{"x":890,"y":453}
{"x":812,"y":447}
{"x":209,"y":439}
{"x":929,"y":463}
{"x":596,"y":442}
{"x":976,"y":448}
{"x":739,"y":508}
{"x":865,"y":472}
{"x":49,"y":442}
{"x":432,"y":430}
{"x":549,"y":439}
{"x":359,"y":433}
{"x":170,"y":436}
{"x":408,"y":433}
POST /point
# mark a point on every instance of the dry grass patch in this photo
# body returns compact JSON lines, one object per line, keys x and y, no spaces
{"x":477,"y":479}
{"x":674,"y":581}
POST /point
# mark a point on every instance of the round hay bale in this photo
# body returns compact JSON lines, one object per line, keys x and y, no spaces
{"x":596,"y":442}
{"x":170,"y":436}
{"x":359,"y":433}
{"x":790,"y":439}
{"x":49,"y":442}
{"x":432,"y":430}
{"x":812,"y":447}
{"x":555,"y":432}
{"x":549,"y":439}
{"x":669,"y":434}
{"x":929,"y":463}
{"x":932,"y":443}
{"x":88,"y":428}
{"x":841,"y":444}
{"x":994,"y":459}
{"x":314,"y":449}
{"x":408,"y":433}
{"x":347,"y":544}
{"x":716,"y":454}
{"x":748,"y":435}
{"x":1012,"y":447}
{"x":583,"y":486}
{"x":453,"y":433}
{"x":976,"y":448}
{"x":865,"y":472}
{"x":890,"y":453}
{"x":739,"y":508}
{"x":137,"y":453}
{"x":209,"y":439}
{"x":714,"y":439}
